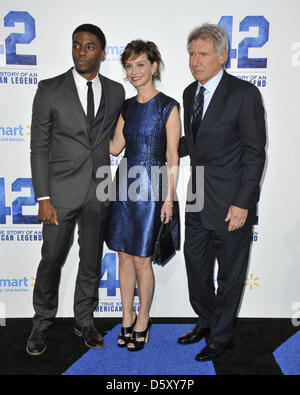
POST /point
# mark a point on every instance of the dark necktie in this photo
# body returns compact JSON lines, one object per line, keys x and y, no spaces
{"x":90,"y":103}
{"x":198,"y":111}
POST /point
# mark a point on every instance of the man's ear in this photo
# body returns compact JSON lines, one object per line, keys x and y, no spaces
{"x":223,"y":58}
{"x":103,"y":54}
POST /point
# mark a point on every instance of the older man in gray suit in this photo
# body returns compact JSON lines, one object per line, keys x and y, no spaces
{"x":74,"y":116}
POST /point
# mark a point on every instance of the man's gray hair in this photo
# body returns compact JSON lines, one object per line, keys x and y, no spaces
{"x":210,"y":31}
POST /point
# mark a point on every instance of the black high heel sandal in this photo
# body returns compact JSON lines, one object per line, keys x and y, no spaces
{"x":139,"y":344}
{"x":126,"y":331}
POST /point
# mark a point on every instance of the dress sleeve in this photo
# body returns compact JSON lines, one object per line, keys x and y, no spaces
{"x":168,"y":109}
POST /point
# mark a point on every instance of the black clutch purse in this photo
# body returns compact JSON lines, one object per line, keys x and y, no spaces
{"x":164,"y":247}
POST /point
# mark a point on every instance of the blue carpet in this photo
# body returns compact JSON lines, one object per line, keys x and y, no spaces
{"x":161,"y":356}
{"x":288,"y":355}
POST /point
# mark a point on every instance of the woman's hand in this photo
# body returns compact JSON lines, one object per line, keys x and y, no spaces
{"x":166,"y":211}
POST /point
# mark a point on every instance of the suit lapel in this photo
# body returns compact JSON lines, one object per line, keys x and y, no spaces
{"x":189,"y":106}
{"x":105,"y":96}
{"x":216,"y":105}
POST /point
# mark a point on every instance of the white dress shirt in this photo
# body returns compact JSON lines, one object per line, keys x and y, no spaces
{"x":82,"y":89}
{"x":81,"y":85}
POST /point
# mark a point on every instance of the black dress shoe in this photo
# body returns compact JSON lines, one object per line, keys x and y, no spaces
{"x":90,"y":335}
{"x":194,"y":335}
{"x":213,"y":350}
{"x":36,"y":343}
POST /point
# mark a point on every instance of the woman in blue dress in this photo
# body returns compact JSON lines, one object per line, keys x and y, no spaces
{"x":149,"y":129}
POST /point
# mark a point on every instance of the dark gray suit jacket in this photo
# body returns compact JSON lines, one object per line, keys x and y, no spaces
{"x":62,"y":156}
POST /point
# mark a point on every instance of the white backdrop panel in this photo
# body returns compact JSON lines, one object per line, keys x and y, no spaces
{"x":270,"y":34}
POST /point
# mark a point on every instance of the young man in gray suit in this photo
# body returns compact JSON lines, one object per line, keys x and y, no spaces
{"x":225,"y":133}
{"x":73,"y":119}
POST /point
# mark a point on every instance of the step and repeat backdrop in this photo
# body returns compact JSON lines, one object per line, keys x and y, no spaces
{"x":264,"y":35}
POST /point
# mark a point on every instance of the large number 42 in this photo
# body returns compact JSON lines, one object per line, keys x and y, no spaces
{"x":249,"y":42}
{"x":18,"y":204}
{"x":13,"y":39}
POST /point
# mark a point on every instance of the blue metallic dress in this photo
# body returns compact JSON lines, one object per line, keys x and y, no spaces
{"x":140,"y":179}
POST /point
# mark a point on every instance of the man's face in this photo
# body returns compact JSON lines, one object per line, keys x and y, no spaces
{"x":87,"y":54}
{"x":204,"y":62}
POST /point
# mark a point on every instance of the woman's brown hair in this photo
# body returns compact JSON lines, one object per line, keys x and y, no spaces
{"x":137,"y":47}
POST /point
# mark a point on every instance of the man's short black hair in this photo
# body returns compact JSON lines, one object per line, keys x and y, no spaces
{"x":89,"y":28}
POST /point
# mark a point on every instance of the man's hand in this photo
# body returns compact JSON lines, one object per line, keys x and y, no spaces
{"x":47,"y":213}
{"x":236,"y":217}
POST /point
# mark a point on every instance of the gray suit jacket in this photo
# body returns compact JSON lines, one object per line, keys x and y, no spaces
{"x":62,"y":157}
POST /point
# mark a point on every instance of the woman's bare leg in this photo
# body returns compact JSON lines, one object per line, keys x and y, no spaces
{"x":127,"y":279}
{"x":145,"y":278}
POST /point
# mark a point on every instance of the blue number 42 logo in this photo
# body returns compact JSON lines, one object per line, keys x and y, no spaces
{"x":16,"y":209}
{"x":242,"y":52}
{"x":11,"y":41}
{"x":109,"y":267}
